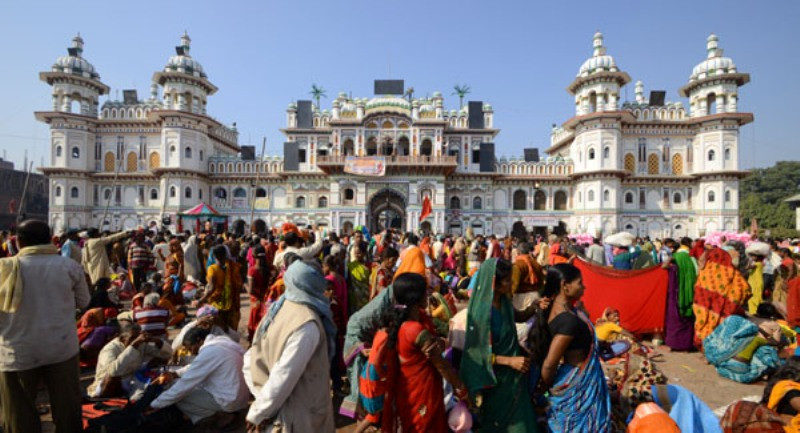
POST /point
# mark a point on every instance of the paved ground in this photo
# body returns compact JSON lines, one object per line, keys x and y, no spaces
{"x":686,"y":369}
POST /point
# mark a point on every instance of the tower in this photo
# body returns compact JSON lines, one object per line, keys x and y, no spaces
{"x":76,"y":84}
{"x":713,"y":92}
{"x":185,"y":83}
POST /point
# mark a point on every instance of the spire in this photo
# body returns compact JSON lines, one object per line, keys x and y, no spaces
{"x":77,"y":46}
{"x":186,"y":42}
{"x":599,"y":49}
{"x":712,"y":46}
{"x":640,"y":92}
{"x":154,"y":91}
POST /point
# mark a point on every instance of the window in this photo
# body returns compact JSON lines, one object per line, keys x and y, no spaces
{"x":520,"y":200}
{"x":560,"y":201}
{"x":606,"y":195}
{"x":106,"y":194}
{"x":711,"y":155}
{"x":349,"y":194}
{"x":727,"y":196}
{"x":629,"y":227}
{"x":73,"y":192}
{"x":677,"y":198}
{"x":301,"y":155}
{"x":477,"y":203}
{"x":187,"y":193}
{"x":476,"y":156}
{"x":427,"y":147}
{"x":711,"y":197}
{"x":76,"y":153}
{"x":629,"y":198}
{"x":58,"y":191}
{"x":727,"y":154}
{"x":322,"y":202}
{"x":261,"y":192}
{"x":652,"y":164}
{"x":591,"y":154}
{"x":539,"y":200}
{"x":606,"y":152}
{"x":187,"y":153}
{"x":58,"y":151}
{"x":201,"y":155}
{"x":172,"y":192}
{"x":153,"y":194}
{"x":300,"y":202}
{"x":590,"y":196}
{"x":455,"y":203}
{"x":200,"y":193}
{"x":642,"y":198}
{"x":239,"y":193}
{"x":642,"y":149}
{"x":630,"y":162}
{"x":172,"y":149}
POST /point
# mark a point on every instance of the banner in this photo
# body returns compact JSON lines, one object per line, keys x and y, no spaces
{"x":640,"y":296}
{"x":365,"y":165}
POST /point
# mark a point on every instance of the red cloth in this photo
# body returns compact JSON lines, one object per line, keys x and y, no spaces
{"x":793,"y":302}
{"x":426,"y":208}
{"x":640,"y":296}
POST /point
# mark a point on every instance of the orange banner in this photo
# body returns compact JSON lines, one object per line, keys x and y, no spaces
{"x":365,"y":165}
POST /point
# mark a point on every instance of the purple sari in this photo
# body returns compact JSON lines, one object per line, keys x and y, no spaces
{"x":679,"y":329}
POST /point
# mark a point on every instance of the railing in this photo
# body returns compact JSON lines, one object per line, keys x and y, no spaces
{"x":395,"y":160}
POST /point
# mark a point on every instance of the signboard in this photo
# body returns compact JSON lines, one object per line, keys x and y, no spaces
{"x":365,"y":165}
{"x":262,"y":203}
{"x":540,"y":222}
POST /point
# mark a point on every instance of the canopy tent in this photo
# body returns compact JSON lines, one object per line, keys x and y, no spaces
{"x":202,"y":211}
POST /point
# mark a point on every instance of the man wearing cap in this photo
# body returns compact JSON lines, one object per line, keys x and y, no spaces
{"x":122,"y":356}
{"x":71,"y":248}
{"x":95,"y":259}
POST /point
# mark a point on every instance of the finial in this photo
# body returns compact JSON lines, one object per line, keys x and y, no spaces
{"x":77,"y":44}
{"x":154,"y":91}
{"x":599,"y":49}
{"x":712,"y":46}
{"x":186,"y":43}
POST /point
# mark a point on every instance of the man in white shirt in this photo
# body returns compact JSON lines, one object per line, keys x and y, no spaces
{"x":294,"y":244}
{"x":595,"y":253}
{"x":212,"y":383}
{"x":39,"y":293}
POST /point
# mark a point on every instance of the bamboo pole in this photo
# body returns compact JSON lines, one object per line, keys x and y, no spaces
{"x":254,"y":187}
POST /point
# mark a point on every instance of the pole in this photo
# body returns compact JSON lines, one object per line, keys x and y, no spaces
{"x":25,"y":192}
{"x":164,"y":201}
{"x":108,"y":202}
{"x":254,"y":186}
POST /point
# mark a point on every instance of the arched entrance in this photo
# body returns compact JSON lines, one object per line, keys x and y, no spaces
{"x":259,"y":227}
{"x":387,"y":209}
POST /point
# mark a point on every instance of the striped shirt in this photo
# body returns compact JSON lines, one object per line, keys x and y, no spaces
{"x":140,"y":257}
{"x":152,"y":320}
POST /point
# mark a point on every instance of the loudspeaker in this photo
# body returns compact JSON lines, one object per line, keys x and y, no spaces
{"x":657,"y":98}
{"x":531,"y":154}
{"x":291,"y":159}
{"x":389,"y":87}
{"x":305,"y":118}
{"x":487,"y":157}
{"x":475,"y":115}
{"x":248,"y":152}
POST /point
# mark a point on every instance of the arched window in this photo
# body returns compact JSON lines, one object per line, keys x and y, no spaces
{"x":677,"y":198}
{"x":629,"y":227}
{"x":220,"y":193}
{"x":590,"y":196}
{"x":261,"y":192}
{"x":427,"y":148}
{"x":712,"y":103}
{"x":628,"y":198}
{"x":300,"y":202}
{"x":131,"y":164}
{"x":606,"y":195}
{"x":677,"y":164}
{"x":201,"y":155}
{"x":349,"y":194}
{"x":322,"y":202}
{"x":59,"y":151}
{"x":728,"y":154}
{"x":74,"y":192}
{"x":153,"y":194}
{"x":108,"y":162}
{"x":76,"y":153}
{"x":477,"y":203}
{"x":187,"y":153}
{"x":539,"y":200}
{"x":239,"y":193}
{"x":107,"y":194}
{"x":173,"y":192}
{"x":200,"y":193}
{"x":58,"y":191}
{"x":560,"y":200}
{"x":172,"y":150}
{"x":591,"y":154}
{"x":187,"y":193}
{"x":630,"y":162}
{"x":606,"y":152}
{"x":711,"y":155}
{"x":652,"y":164}
{"x":455,"y":203}
{"x":711,"y":197}
{"x":349,"y":148}
{"x":520,"y":200}
{"x":727,"y":196}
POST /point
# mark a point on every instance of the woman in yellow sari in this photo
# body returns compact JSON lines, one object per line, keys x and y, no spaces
{"x":224,"y":287}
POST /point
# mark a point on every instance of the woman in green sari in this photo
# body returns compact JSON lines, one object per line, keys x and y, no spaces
{"x":358,"y":273}
{"x":493,"y":365}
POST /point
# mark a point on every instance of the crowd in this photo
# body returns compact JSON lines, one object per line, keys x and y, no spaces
{"x":411,"y":332}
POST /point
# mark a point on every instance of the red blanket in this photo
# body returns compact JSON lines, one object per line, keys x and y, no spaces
{"x":640,"y":296}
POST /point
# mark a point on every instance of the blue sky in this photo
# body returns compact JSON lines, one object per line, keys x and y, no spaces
{"x":519,"y":56}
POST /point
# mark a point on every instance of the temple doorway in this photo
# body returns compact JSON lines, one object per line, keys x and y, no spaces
{"x":387,"y":209}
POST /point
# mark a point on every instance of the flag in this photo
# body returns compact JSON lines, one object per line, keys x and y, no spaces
{"x":426,"y":208}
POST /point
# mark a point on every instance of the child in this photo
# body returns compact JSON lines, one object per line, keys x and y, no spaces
{"x":614,"y":340}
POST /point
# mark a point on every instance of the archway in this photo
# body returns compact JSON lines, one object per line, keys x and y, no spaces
{"x":387,"y":209}
{"x":259,"y":227}
{"x":238,"y":227}
{"x":519,"y":231}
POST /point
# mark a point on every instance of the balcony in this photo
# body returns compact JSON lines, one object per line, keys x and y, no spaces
{"x":421,"y":164}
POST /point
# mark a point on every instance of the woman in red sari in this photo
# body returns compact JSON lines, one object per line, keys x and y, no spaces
{"x":415,"y":397}
{"x":258,"y":280}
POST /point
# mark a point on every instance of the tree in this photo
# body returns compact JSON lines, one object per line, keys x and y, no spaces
{"x":317,"y":92}
{"x":762,"y":193}
{"x":462,"y":91}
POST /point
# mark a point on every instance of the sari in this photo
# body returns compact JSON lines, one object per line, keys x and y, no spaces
{"x":779,"y":390}
{"x":359,"y":285}
{"x":793,"y":302}
{"x":679,"y":330}
{"x":227,"y":282}
{"x":579,"y":399}
{"x":756,"y":282}
{"x":734,"y":339}
{"x":720,"y":291}
{"x":506,"y":405}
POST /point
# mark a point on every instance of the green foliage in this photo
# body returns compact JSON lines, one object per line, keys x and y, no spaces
{"x":317,"y":92}
{"x":462,"y":91}
{"x":762,"y":193}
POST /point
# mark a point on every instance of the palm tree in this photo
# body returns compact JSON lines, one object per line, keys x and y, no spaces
{"x":410,"y":93}
{"x":317,"y":92}
{"x":461,"y":91}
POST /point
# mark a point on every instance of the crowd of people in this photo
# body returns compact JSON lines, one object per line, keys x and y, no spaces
{"x":411,"y":332}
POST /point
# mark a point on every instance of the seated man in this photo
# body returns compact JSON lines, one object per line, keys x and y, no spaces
{"x":122,"y":357}
{"x":212,"y":383}
{"x":207,"y":318}
{"x":151,"y":317}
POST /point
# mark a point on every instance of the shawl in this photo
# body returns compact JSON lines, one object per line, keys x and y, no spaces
{"x":698,"y":249}
{"x":304,"y":285}
{"x":778,"y":391}
{"x":413,"y":261}
{"x":687,"y":275}
{"x":533,"y":276}
{"x":11,"y":284}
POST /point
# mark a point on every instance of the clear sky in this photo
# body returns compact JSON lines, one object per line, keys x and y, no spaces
{"x":519,"y":56}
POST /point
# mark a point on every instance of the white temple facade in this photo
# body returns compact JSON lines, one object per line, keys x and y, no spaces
{"x":648,"y":166}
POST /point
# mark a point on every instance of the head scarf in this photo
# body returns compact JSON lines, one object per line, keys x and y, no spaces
{"x":305,"y":285}
{"x":207,"y":310}
{"x":607,"y":312}
{"x":413,"y":261}
{"x":698,"y":249}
